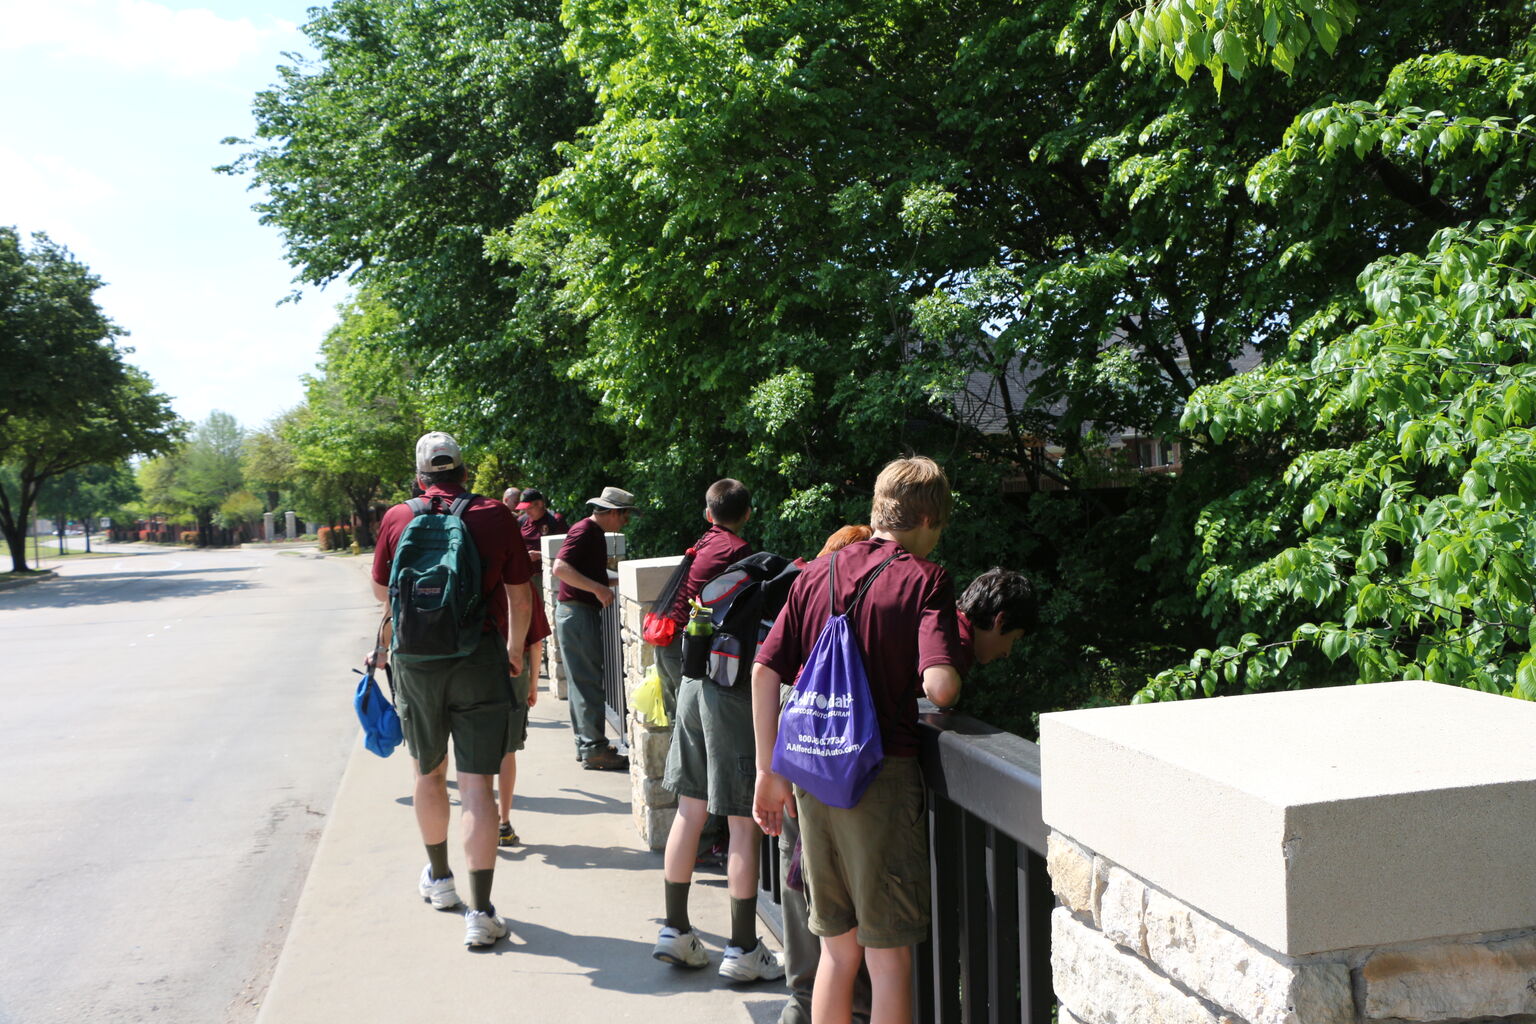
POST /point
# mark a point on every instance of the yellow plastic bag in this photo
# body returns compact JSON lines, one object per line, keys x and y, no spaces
{"x":647,"y":700}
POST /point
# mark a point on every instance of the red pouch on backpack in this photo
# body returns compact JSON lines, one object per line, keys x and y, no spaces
{"x":658,"y":630}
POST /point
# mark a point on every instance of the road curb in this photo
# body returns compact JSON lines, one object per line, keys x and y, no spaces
{"x":27,"y":581}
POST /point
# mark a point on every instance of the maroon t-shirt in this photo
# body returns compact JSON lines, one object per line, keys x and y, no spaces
{"x":534,"y":529}
{"x":585,"y":550}
{"x":503,"y":559}
{"x":712,"y":553}
{"x":967,"y":637}
{"x":905,"y":625}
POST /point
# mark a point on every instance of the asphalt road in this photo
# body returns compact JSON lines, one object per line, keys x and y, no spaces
{"x":173,"y":728}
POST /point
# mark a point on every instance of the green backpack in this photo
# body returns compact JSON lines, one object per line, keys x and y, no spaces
{"x":434,"y":584}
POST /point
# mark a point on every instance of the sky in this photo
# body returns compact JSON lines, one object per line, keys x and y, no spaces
{"x":111,"y":116}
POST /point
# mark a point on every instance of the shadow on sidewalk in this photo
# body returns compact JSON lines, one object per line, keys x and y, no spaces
{"x":618,"y":965}
{"x":576,"y":857}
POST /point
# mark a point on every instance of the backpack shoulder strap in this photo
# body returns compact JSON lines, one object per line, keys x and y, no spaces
{"x":832,"y":585}
{"x":869,"y":580}
{"x":461,"y":504}
{"x":418,"y":506}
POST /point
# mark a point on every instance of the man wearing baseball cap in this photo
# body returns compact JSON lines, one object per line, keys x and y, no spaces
{"x":468,"y":698}
{"x":582,"y":569}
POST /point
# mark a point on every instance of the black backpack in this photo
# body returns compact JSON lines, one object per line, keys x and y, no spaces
{"x":743,"y":602}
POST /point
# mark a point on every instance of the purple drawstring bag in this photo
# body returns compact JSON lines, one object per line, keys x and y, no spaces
{"x":829,"y":738}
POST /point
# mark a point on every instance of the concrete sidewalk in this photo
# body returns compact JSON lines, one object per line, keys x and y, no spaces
{"x":583,"y":899}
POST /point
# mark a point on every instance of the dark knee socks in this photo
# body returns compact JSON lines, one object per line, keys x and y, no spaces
{"x":677,"y":905}
{"x":744,"y":923}
{"x":480,"y":890}
{"x":437,"y":857}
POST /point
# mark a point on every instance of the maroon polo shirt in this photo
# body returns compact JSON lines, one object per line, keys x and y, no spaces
{"x":585,"y":550}
{"x":905,"y":625}
{"x":967,"y":637}
{"x":534,"y":529}
{"x":712,"y":553}
{"x":492,"y":526}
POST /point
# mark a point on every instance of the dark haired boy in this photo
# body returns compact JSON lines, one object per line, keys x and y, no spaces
{"x":709,"y":767}
{"x":727,"y":507}
{"x":865,"y":868}
{"x":994,"y":612}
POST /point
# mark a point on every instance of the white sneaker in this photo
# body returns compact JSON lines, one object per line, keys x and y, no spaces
{"x":761,"y":964}
{"x":680,"y":949}
{"x":440,"y":893}
{"x":482,"y":929}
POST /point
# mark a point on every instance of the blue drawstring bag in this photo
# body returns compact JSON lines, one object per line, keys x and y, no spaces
{"x":381,"y":723}
{"x":829,"y":738}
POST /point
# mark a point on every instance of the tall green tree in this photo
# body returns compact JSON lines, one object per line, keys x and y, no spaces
{"x":1381,"y":523}
{"x":198,"y":477}
{"x":358,"y":428}
{"x":86,"y":493}
{"x":67,"y":397}
{"x":416,"y":131}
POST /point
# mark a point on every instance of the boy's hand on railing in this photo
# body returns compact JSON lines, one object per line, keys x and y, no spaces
{"x":771,"y":798}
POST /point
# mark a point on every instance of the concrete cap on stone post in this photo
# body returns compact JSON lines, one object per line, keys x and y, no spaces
{"x":641,"y":579}
{"x":1312,"y":820}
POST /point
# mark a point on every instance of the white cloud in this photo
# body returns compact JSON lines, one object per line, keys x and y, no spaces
{"x":39,"y":192}
{"x":135,"y":35}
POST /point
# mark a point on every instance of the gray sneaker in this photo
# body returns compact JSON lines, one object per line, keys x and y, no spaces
{"x":761,"y":964}
{"x":482,"y":929}
{"x":438,"y":892}
{"x":680,"y":949}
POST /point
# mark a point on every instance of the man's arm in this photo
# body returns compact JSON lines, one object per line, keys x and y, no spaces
{"x":566,"y":573}
{"x":941,"y":684}
{"x":380,"y":653}
{"x":771,"y":796}
{"x":520,"y":610}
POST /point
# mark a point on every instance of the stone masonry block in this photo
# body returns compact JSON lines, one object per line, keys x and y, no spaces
{"x":652,"y":793}
{"x":648,"y":749}
{"x":1103,"y":984}
{"x":1066,"y":1016}
{"x":1071,"y":871}
{"x":1451,"y":981}
{"x":1229,"y":970}
{"x":653,"y":824}
{"x":1120,"y":908}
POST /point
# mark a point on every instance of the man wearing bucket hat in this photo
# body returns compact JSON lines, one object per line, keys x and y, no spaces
{"x":582,"y":569}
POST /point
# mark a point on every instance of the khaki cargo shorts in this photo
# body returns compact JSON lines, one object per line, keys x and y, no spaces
{"x":866,"y":867}
{"x":712,"y":753}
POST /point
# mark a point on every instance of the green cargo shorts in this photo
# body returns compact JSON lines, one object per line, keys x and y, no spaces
{"x":866,"y":866}
{"x":517,"y":716}
{"x":468,"y":699}
{"x":712,"y":754}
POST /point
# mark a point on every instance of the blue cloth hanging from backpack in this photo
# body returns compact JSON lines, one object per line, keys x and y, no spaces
{"x":829,"y":735}
{"x":381,"y":723}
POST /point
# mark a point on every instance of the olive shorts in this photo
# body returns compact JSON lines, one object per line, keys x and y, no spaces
{"x":468,"y":699}
{"x":711,"y":757}
{"x":866,"y":866}
{"x":517,"y":717}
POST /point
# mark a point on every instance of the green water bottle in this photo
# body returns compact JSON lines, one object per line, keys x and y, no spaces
{"x":699,"y":623}
{"x":698,"y":638}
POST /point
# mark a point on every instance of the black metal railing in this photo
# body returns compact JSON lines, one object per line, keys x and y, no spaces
{"x":987,"y":957}
{"x":615,"y":702}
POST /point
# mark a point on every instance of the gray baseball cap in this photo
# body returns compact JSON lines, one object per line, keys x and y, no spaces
{"x":437,"y":451}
